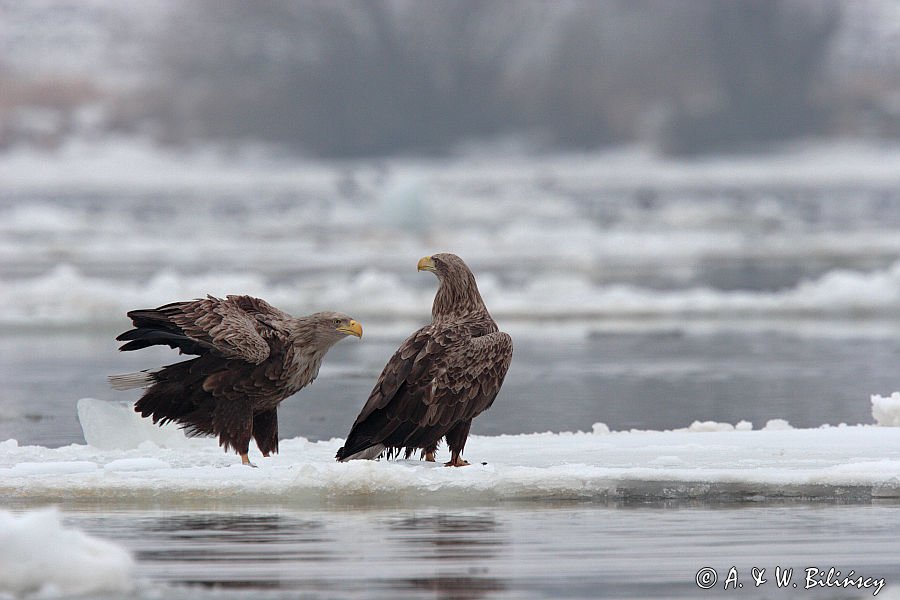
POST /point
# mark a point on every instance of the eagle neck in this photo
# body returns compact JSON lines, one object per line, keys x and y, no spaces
{"x":306,"y":336}
{"x":457,"y":296}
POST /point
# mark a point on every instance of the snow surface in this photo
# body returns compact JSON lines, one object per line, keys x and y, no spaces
{"x":42,"y":557}
{"x":704,"y":461}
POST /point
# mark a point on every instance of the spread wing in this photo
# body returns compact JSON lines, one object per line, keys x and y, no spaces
{"x":211,"y":325}
{"x":437,"y":379}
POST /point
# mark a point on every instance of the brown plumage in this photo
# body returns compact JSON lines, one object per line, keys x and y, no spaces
{"x":443,"y":375}
{"x":250,"y":357}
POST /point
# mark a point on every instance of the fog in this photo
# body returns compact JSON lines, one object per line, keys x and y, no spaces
{"x":368,"y":78}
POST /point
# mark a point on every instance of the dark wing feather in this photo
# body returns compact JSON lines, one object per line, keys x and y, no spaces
{"x":437,"y":379}
{"x":396,"y":388}
{"x":265,"y":431}
{"x":471,"y":379}
{"x":223,"y":327}
{"x":411,"y":354}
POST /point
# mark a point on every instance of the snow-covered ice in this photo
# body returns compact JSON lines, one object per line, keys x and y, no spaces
{"x":119,"y":163}
{"x":706,"y":460}
{"x":39,"y":556}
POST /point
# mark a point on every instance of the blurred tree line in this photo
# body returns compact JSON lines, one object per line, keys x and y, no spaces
{"x":374,"y":77}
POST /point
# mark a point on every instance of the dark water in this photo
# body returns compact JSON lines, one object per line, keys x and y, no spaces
{"x":566,"y":551}
{"x":653,"y":380}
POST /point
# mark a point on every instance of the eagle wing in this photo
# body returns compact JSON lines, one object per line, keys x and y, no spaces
{"x":412,"y":354}
{"x":229,"y":328}
{"x":471,"y":379}
{"x":439,"y":377}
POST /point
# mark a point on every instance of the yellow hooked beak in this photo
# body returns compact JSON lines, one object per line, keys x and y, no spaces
{"x":426,"y":264}
{"x":353,"y":328}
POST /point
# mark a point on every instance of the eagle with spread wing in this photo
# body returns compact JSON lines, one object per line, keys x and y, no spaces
{"x":443,"y":375}
{"x":250,"y":357}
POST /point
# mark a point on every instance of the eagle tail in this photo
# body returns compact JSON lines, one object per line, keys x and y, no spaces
{"x":131,"y":381}
{"x":174,"y":393}
{"x":369,"y":453}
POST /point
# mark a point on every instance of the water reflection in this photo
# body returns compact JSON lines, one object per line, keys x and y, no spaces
{"x":230,"y":551}
{"x":457,"y":588}
{"x":395,"y":554}
{"x":463,"y":545}
{"x":539,"y":551}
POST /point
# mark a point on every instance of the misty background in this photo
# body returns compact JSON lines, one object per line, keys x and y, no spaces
{"x":679,"y":210}
{"x":686,"y":213}
{"x":366,"y":78}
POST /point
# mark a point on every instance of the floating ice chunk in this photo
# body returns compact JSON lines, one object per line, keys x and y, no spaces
{"x":66,"y":295}
{"x":115,"y":425}
{"x":600,"y":429}
{"x":39,"y":555}
{"x":708,"y":459}
{"x":863,"y":460}
{"x":886,"y":411}
{"x":698,"y":426}
{"x":39,"y":218}
{"x":777,"y":425}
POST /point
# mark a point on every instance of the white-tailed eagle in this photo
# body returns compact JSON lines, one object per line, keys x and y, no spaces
{"x":443,"y":375}
{"x":250,"y":357}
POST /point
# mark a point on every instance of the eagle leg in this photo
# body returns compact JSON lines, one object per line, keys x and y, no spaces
{"x":429,"y":452}
{"x":233,"y":422}
{"x":265,"y":431}
{"x":456,"y":461}
{"x":456,"y":441}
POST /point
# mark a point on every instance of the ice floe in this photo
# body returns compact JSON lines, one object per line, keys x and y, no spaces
{"x":886,"y":411}
{"x":66,"y":296}
{"x":41,"y":557}
{"x":705,"y":460}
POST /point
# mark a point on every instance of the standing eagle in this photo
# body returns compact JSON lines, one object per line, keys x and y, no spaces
{"x":250,"y":357}
{"x":443,"y":375}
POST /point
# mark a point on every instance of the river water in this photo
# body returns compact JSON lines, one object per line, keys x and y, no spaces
{"x":646,"y":303}
{"x":528,"y":551}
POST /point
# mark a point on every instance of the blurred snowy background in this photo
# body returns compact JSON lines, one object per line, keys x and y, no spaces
{"x":618,"y":173}
{"x":687,"y":214}
{"x":374,"y":78}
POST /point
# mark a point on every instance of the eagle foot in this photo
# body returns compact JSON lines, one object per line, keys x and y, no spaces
{"x":457,"y":462}
{"x":245,"y":460}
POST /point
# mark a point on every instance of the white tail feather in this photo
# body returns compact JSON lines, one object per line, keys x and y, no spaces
{"x":370,"y":453}
{"x":130,"y":381}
